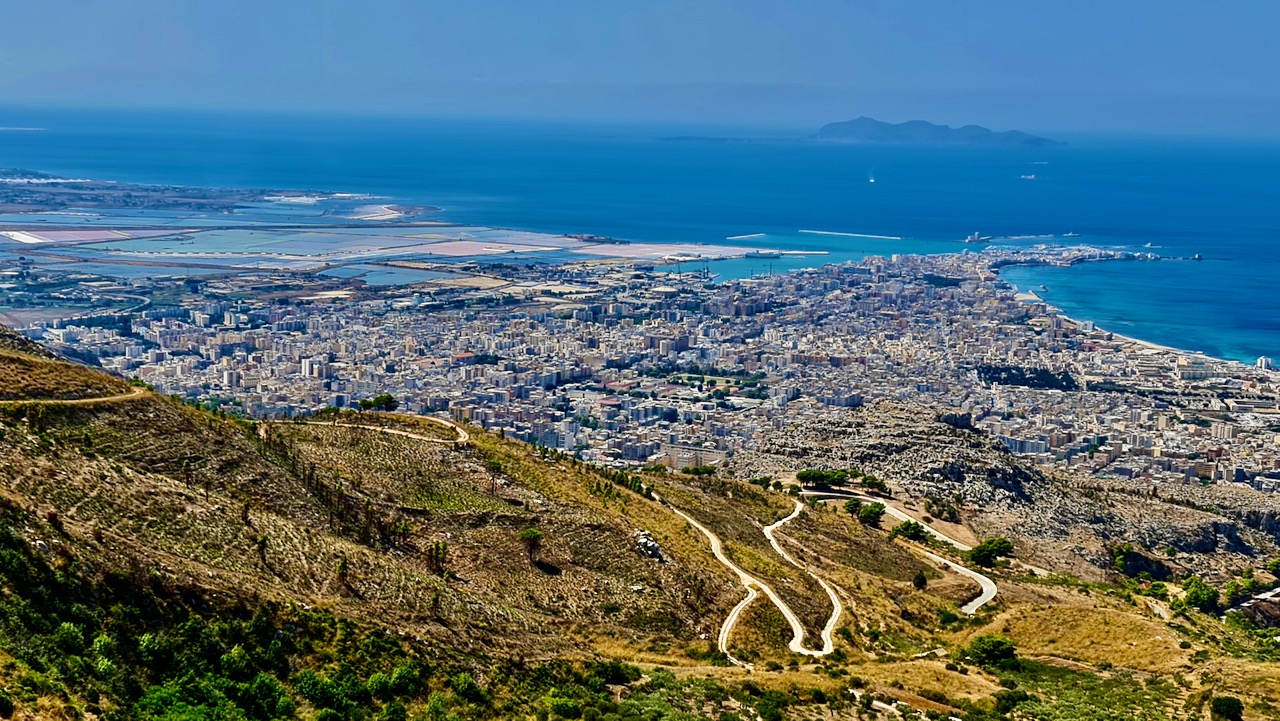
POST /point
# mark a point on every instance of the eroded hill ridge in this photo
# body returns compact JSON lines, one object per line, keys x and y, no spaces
{"x":157,"y":557}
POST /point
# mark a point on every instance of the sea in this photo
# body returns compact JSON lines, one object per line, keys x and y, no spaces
{"x":1218,"y":199}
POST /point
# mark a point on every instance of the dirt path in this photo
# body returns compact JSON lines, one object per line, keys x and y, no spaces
{"x":988,"y":587}
{"x":133,"y":394}
{"x":463,"y":436}
{"x":755,"y":586}
{"x":828,"y":644}
{"x":749,"y":582}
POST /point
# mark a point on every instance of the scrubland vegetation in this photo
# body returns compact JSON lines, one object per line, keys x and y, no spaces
{"x":161,"y":562}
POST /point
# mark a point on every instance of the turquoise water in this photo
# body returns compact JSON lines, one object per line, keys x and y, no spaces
{"x":1221,"y":200}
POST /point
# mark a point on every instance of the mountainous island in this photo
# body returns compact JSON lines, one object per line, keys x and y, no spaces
{"x":921,"y":132}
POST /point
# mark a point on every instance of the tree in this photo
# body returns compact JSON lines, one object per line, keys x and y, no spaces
{"x":438,"y":556}
{"x":383,"y":402}
{"x":910,"y":530}
{"x":920,"y":581}
{"x":992,"y":649}
{"x":531,"y":538}
{"x":344,"y":571}
{"x":990,"y":550}
{"x":1227,"y":707}
{"x":261,"y":543}
{"x":875,"y":485}
{"x":852,"y":506}
{"x":1201,"y":595}
{"x":870,"y":514}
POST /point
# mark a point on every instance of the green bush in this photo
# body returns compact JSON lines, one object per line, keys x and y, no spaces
{"x":910,"y":530}
{"x":394,"y":711}
{"x":1201,"y":595}
{"x":870,"y":514}
{"x":1227,"y":707}
{"x":990,"y":550}
{"x":466,"y":687}
{"x":992,"y":650}
{"x":1008,"y":700}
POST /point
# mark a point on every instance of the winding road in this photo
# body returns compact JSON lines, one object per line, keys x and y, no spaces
{"x":987,"y":586}
{"x":828,"y":644}
{"x":755,"y":586}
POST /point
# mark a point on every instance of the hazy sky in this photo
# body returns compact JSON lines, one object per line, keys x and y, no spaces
{"x":1119,"y":65}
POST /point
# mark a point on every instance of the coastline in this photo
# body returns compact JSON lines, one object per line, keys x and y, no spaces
{"x":1030,"y":296}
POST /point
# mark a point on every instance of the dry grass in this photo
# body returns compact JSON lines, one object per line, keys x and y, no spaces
{"x":27,"y":377}
{"x":153,"y":485}
{"x":1093,"y":635}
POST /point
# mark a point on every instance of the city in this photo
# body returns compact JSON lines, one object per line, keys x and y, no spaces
{"x":631,"y":367}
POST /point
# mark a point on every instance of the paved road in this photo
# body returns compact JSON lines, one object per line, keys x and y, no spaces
{"x":987,"y":586}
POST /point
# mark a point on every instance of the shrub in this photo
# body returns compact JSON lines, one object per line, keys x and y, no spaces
{"x":531,"y":539}
{"x":992,"y":649}
{"x":987,"y":552}
{"x":1008,"y":700}
{"x":564,"y":707}
{"x":320,"y":691}
{"x":616,"y":672}
{"x":394,"y":711}
{"x":379,"y":684}
{"x":466,"y":687}
{"x":870,"y":514}
{"x":6,"y":703}
{"x":69,"y":638}
{"x":405,"y":680}
{"x":910,"y":530}
{"x":1201,"y":595}
{"x":1227,"y":707}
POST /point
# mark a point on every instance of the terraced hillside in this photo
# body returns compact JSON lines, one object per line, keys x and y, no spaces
{"x":159,"y":561}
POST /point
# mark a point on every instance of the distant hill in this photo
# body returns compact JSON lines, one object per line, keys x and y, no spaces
{"x":920,"y":132}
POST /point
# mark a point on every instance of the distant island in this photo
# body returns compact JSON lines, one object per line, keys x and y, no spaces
{"x":866,"y":130}
{"x":921,"y":132}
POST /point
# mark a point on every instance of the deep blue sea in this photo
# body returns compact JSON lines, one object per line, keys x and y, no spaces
{"x":1217,"y":199}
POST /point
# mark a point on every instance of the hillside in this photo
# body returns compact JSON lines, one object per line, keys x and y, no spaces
{"x":160,"y":561}
{"x":920,"y":132}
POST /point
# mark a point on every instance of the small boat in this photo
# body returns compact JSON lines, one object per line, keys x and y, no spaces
{"x":1071,"y":235}
{"x":1197,"y":256}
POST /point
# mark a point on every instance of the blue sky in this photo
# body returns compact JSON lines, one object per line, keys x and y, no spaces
{"x":1185,"y":66}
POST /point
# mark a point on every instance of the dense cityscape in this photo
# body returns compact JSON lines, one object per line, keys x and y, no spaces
{"x":629,"y":367}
